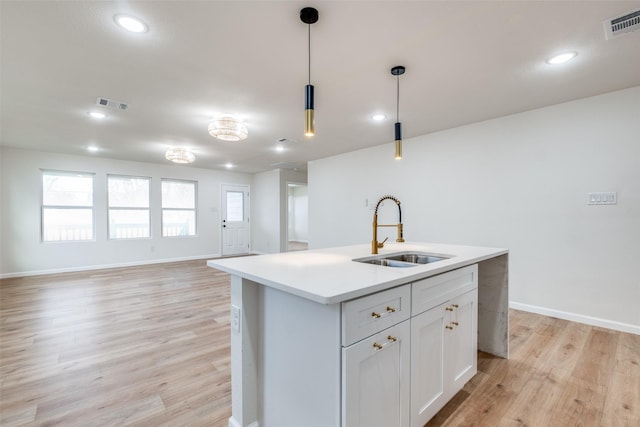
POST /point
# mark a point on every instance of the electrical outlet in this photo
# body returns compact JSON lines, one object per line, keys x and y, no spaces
{"x":606,"y":198}
{"x":235,"y":318}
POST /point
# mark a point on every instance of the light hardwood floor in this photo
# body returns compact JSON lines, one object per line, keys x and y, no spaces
{"x":149,"y":346}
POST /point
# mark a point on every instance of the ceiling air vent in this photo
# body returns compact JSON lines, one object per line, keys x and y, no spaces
{"x":620,"y":25}
{"x":286,"y":165}
{"x":104,"y":102}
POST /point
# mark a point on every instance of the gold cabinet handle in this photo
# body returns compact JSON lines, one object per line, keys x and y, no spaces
{"x":455,"y":305}
{"x":376,"y":315}
{"x":391,"y":339}
{"x":455,"y":323}
{"x":449,"y":327}
{"x":391,"y":309}
{"x":449,"y":309}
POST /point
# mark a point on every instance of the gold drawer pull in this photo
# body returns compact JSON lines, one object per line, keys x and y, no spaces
{"x":449,"y":327}
{"x":455,"y":305}
{"x":391,"y":339}
{"x":449,"y":309}
{"x":455,"y":323}
{"x":376,"y":315}
{"x":391,"y":309}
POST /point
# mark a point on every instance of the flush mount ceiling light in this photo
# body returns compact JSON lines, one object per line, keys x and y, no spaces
{"x":309,"y":16}
{"x":228,"y":165}
{"x":93,"y":149}
{"x":131,"y":23}
{"x":180,"y":155}
{"x":562,"y":58}
{"x":398,"y":71}
{"x":228,"y":128}
{"x":378,"y":117}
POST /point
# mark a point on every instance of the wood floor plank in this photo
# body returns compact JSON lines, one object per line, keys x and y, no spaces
{"x":133,"y":346}
{"x":149,"y":346}
{"x":623,"y":401}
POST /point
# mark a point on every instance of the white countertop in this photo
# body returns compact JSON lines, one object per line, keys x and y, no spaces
{"x":329,"y":276}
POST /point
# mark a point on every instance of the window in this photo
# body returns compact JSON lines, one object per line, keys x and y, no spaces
{"x":235,"y":206}
{"x":128,"y":199}
{"x":67,"y":206}
{"x":178,"y":208}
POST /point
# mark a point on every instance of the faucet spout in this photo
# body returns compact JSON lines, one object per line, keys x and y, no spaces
{"x":375,"y":245}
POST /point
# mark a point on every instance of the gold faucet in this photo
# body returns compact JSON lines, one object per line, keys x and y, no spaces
{"x":375,"y":245}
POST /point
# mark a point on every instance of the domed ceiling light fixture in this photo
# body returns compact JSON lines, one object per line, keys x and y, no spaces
{"x":309,"y":16}
{"x":228,"y":128}
{"x":180,"y":155}
{"x":398,"y":71}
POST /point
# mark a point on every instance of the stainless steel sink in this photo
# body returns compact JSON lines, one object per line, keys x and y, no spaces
{"x":416,"y":258}
{"x":387,"y":262}
{"x":402,"y":259}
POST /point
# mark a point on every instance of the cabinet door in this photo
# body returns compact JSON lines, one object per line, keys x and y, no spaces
{"x":375,"y":380}
{"x":427,"y":364}
{"x":461,"y":361}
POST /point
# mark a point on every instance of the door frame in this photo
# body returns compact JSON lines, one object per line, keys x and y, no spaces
{"x":286,"y":228}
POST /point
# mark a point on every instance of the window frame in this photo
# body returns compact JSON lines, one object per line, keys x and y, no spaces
{"x":44,"y":172}
{"x":109,"y":208}
{"x":194,"y":209}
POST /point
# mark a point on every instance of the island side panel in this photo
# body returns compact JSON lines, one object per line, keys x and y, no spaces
{"x":300,"y":364}
{"x":244,"y":353}
{"x":493,"y":306}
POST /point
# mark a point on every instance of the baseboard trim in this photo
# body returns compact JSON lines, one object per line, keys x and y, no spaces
{"x":103,"y":266}
{"x":234,"y":423}
{"x":580,"y":318}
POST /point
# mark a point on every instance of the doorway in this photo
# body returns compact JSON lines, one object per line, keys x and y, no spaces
{"x":236,"y":234}
{"x":297,"y":216}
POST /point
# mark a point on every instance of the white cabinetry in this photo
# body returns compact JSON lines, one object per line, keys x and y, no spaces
{"x":375,"y":378}
{"x":375,"y":368}
{"x":443,"y":340}
{"x":399,"y":372}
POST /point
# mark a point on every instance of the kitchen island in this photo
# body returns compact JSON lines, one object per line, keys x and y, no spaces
{"x":318,"y":339}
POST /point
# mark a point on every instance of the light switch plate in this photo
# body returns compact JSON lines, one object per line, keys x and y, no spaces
{"x":603,"y":198}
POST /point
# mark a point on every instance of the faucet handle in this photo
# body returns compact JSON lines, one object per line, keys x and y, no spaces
{"x":381,"y":244}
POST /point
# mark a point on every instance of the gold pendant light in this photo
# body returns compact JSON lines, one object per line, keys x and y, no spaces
{"x":309,"y":16}
{"x":398,"y":71}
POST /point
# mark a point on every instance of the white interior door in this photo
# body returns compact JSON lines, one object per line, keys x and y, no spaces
{"x":235,"y":219}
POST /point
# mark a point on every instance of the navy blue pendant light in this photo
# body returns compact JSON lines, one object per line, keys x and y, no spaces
{"x":309,"y":16}
{"x":398,"y":71}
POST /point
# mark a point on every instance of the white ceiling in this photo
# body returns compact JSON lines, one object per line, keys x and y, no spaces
{"x":466,"y":62}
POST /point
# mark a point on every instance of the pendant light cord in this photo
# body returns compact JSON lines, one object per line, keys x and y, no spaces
{"x":309,"y":50}
{"x":398,"y":98}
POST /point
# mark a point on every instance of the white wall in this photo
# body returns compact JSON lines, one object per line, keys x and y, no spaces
{"x":298,"y":214}
{"x":269,"y":209}
{"x":24,"y":253}
{"x":265,"y":212}
{"x":519,"y":182}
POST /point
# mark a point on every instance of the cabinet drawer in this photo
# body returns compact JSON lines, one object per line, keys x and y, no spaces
{"x":432,"y":291}
{"x":370,"y":314}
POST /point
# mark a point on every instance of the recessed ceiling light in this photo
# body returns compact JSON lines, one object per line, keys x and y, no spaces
{"x":97,"y":114}
{"x":561,"y":58}
{"x":378,"y":117}
{"x":131,"y":23}
{"x":228,"y":165}
{"x":93,"y":149}
{"x":279,"y":147}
